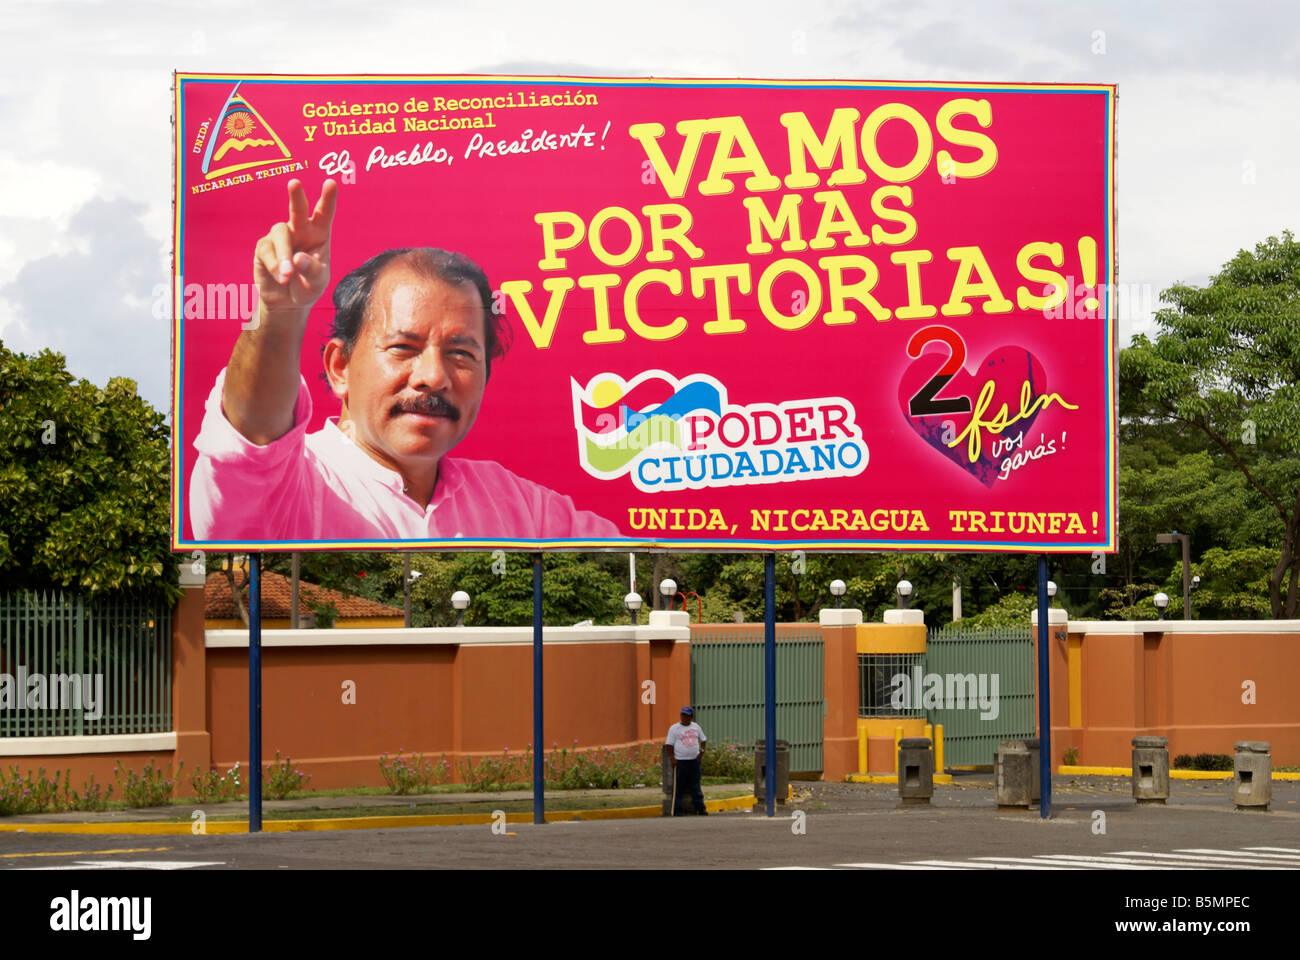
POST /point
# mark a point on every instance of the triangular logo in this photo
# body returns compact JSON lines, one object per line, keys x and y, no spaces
{"x":241,"y":139}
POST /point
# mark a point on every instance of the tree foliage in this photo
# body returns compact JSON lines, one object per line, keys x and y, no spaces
{"x":1225,"y":365}
{"x":84,"y":482}
{"x":1209,"y":446}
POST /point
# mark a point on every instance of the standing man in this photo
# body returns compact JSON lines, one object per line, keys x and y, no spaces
{"x":686,"y":740}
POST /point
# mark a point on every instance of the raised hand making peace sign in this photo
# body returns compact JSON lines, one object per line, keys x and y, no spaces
{"x":291,"y":263}
{"x":291,"y":266}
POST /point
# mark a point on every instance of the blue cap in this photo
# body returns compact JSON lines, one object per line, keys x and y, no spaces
{"x":688,"y":711}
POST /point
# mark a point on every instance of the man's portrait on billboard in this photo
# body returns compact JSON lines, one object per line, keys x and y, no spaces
{"x":409,"y":357}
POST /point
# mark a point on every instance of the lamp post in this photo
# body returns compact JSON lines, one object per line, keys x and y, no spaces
{"x":1161,"y":601}
{"x":460,"y":600}
{"x":1182,"y":538}
{"x":1051,"y":588}
{"x":667,"y":588}
{"x":838,"y":588}
{"x":633,"y":603}
{"x":409,"y":577}
{"x":904,"y":590}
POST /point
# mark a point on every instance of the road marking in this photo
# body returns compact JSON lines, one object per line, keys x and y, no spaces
{"x":796,"y":868}
{"x":132,"y":865}
{"x":1119,"y":858}
{"x":1244,"y":860}
{"x":1284,"y":857}
{"x":79,"y":853}
{"x":926,"y":865}
{"x":1080,"y":863}
{"x":976,"y":865}
{"x":1191,"y":859}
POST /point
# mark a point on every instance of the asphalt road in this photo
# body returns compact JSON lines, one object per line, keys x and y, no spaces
{"x":828,"y":825}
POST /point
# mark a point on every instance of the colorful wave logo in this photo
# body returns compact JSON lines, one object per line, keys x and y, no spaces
{"x":616,"y":420}
{"x":240,"y":128}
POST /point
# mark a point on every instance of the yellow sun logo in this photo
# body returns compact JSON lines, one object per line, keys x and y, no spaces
{"x":239,"y":125}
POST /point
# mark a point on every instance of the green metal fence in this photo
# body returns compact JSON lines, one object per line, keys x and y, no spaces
{"x":727,"y":687}
{"x":70,"y":667}
{"x":965,"y":660}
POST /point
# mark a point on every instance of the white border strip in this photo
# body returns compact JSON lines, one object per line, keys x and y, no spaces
{"x":1135,"y":627}
{"x":60,"y":746}
{"x":445,"y":636}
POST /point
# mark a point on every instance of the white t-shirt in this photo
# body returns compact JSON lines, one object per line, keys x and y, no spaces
{"x":685,"y":740}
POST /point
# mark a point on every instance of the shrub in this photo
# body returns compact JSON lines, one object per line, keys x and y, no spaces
{"x":729,"y":759}
{"x":603,"y":769}
{"x":1071,"y":757}
{"x":20,"y":795}
{"x":496,"y":773}
{"x":413,"y":774}
{"x":213,"y":787}
{"x":149,"y":788}
{"x":93,"y":796}
{"x":1203,"y":761}
{"x":280,"y":778}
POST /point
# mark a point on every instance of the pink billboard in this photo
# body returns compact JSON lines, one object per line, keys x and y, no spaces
{"x":574,"y":313}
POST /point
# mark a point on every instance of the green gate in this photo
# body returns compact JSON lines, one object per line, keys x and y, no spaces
{"x":966,"y":659}
{"x":727,"y":687}
{"x":119,"y":647}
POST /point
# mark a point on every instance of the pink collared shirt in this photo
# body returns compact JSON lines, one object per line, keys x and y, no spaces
{"x":322,"y":486}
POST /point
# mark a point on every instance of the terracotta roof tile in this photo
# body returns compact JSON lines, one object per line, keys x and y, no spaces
{"x":218,"y":604}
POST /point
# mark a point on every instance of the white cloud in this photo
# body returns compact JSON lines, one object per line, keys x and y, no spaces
{"x":85,"y":99}
{"x":44,"y":188}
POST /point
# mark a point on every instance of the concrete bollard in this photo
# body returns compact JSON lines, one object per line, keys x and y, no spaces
{"x":1017,"y":775}
{"x":1017,"y":772}
{"x":1252,"y":775}
{"x":1150,"y":769}
{"x":915,"y":770}
{"x":782,"y":770}
{"x":1014,"y":778}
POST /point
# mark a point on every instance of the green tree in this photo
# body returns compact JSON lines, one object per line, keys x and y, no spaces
{"x":1226,"y":364}
{"x":84,"y":482}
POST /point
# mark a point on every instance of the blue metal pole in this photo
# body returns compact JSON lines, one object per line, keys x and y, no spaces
{"x":1044,"y":697}
{"x":254,"y":693}
{"x":539,"y":770}
{"x":769,"y":678}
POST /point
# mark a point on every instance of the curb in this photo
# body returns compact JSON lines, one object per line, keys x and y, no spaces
{"x":889,"y":778}
{"x":159,"y":827}
{"x":1173,"y":774}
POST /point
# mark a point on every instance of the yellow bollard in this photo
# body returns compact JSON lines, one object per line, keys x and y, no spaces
{"x":898,"y":738}
{"x":938,"y":748}
{"x":862,"y":750}
{"x":928,"y":733}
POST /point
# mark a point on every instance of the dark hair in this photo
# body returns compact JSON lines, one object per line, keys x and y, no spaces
{"x":352,"y":295}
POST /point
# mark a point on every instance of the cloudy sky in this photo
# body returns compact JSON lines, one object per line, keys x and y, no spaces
{"x":1209,"y":116}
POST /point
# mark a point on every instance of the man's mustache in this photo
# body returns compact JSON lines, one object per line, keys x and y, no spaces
{"x":431,"y":405}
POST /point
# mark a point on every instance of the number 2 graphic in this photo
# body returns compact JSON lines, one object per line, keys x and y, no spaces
{"x":924,"y":402}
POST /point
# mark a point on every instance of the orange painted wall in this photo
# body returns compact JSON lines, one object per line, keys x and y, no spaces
{"x":464,"y":701}
{"x":461,"y":700}
{"x":840,"y":690}
{"x":1179,"y":684}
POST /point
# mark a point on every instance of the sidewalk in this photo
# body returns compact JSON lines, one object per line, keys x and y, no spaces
{"x":387,"y":805}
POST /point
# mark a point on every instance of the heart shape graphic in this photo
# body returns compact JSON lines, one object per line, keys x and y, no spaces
{"x":1007,"y":369}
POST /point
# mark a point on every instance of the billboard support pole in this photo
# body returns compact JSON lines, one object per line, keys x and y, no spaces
{"x":539,"y":774}
{"x":1044,"y":697}
{"x":254,"y":693}
{"x":769,"y":678}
